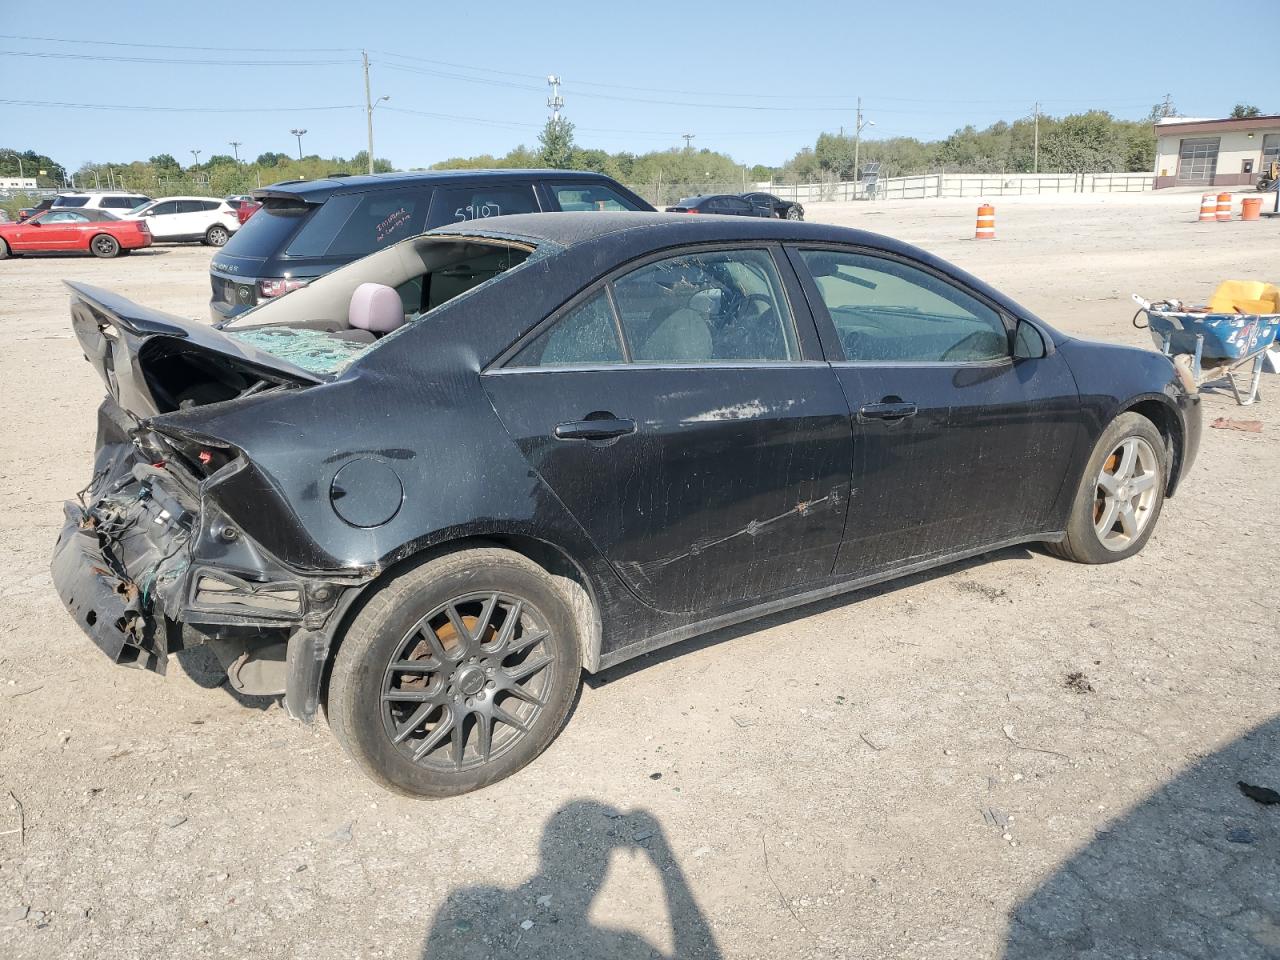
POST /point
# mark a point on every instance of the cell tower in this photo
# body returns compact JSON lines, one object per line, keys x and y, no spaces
{"x":555,"y":101}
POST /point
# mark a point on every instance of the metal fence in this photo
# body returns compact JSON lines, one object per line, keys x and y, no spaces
{"x":929,"y":185}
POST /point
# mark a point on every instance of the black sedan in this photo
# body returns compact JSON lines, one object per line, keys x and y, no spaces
{"x":721,"y":203}
{"x":776,"y":207}
{"x":434,"y":486}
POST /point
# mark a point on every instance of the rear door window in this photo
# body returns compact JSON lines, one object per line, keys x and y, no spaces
{"x":481,"y":201}
{"x":589,"y":197}
{"x":190,"y":206}
{"x":356,"y":224}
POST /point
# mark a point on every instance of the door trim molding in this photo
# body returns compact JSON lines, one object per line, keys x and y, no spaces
{"x":657,"y":641}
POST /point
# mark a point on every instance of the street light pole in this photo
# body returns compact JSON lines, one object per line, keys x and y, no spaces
{"x":196,"y":154}
{"x":298,"y":133}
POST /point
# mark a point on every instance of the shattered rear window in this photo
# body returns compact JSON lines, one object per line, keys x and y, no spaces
{"x":313,"y":350}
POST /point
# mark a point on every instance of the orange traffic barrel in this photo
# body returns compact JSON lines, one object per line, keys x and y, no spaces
{"x":1208,"y":207}
{"x":986,"y":228}
{"x":1224,"y":207}
{"x":1251,"y":208}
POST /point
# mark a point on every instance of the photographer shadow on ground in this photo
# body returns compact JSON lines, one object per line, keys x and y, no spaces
{"x":1192,"y":871}
{"x":546,"y":916}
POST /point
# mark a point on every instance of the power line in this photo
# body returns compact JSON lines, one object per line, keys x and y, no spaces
{"x":46,"y":55}
{"x":179,"y":46}
{"x":121,"y":106}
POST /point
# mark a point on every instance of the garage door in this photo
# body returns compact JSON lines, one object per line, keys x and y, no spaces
{"x":1198,"y":160}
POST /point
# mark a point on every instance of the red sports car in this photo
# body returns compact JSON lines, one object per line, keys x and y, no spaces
{"x":101,"y":233}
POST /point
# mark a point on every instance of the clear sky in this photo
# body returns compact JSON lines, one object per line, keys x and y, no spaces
{"x":756,"y":80}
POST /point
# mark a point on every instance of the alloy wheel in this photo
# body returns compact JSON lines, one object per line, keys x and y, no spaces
{"x":468,"y":682}
{"x":1125,"y":493}
{"x":104,"y":246}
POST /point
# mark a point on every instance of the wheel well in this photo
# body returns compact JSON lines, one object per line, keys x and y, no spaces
{"x":1166,"y":421}
{"x":567,"y":574}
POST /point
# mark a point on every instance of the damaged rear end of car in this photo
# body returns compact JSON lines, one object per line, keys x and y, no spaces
{"x":152,"y":557}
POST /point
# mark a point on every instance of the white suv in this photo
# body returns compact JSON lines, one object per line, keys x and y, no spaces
{"x":117,"y":203}
{"x":175,"y":219}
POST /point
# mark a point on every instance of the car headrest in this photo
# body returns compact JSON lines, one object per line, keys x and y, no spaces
{"x":375,"y":307}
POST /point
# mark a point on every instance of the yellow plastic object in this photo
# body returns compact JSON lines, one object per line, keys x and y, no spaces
{"x":1244,"y":294}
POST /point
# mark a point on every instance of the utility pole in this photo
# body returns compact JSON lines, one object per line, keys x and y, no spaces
{"x":555,"y":101}
{"x":1035,"y":150}
{"x":235,"y":148}
{"x":369,"y":105}
{"x":298,"y":132}
{"x":857,"y":145}
{"x":688,"y":140}
{"x":1166,"y":108}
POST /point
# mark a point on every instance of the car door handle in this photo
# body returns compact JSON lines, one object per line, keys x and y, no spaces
{"x":603,"y":429}
{"x":886,"y":411}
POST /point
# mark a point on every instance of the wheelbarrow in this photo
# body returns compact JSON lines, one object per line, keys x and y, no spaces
{"x":1208,"y":347}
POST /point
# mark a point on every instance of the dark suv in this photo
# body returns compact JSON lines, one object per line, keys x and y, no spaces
{"x":307,"y":228}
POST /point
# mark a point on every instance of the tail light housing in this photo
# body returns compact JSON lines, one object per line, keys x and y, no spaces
{"x":142,"y":227}
{"x":693,"y":210}
{"x":247,"y":210}
{"x":278,"y":288}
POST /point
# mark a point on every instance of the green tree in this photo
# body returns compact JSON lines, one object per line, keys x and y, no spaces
{"x":1243,"y":111}
{"x":270,"y":159}
{"x":556,"y":140}
{"x":31,"y":166}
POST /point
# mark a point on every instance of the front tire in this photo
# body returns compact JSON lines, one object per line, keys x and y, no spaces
{"x":104,"y":245}
{"x":4,"y":250}
{"x":1120,"y":495}
{"x":217,"y":236}
{"x":456,"y":674}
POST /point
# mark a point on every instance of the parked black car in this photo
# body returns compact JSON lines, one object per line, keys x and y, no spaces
{"x":307,"y":228}
{"x":782,"y":209}
{"x":589,"y":437}
{"x":26,"y":213}
{"x":722,"y":203}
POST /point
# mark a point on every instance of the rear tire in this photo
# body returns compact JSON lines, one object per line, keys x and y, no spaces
{"x":104,"y":245}
{"x":793,"y":213}
{"x":460,"y":716}
{"x":1120,"y":496}
{"x":217,"y":236}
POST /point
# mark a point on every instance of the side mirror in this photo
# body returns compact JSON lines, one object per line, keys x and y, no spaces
{"x":1028,"y":342}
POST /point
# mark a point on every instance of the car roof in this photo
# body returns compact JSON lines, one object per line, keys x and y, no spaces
{"x":102,"y":193}
{"x":657,"y":230}
{"x":317,"y":191}
{"x":162,"y":199}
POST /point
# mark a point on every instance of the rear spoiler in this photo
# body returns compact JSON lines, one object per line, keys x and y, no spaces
{"x":112,"y":331}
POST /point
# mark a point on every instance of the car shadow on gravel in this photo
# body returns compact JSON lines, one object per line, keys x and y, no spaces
{"x":1193,"y":871}
{"x":1026,"y":552}
{"x":547,"y":915}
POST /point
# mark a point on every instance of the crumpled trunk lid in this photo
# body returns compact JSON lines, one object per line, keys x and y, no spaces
{"x":153,"y":362}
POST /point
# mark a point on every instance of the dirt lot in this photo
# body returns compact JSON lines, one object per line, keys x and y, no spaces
{"x":904,"y":773}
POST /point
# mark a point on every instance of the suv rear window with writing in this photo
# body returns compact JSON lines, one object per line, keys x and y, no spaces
{"x":356,"y":224}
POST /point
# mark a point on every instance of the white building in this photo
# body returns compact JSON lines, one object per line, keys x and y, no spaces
{"x":18,"y":183}
{"x":1217,"y":153}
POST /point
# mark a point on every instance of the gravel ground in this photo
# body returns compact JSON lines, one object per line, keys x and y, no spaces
{"x":1013,"y":757}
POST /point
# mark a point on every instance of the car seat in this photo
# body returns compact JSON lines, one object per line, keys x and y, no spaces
{"x":375,"y":311}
